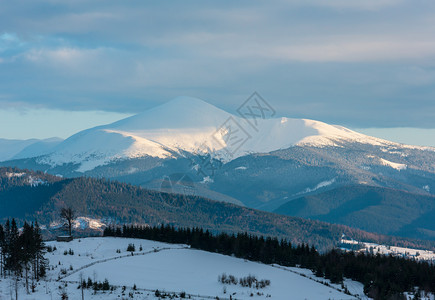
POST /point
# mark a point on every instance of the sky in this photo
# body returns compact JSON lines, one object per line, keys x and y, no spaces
{"x":66,"y":65}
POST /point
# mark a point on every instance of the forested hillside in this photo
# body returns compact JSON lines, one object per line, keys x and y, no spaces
{"x":375,"y":209}
{"x":124,"y":203}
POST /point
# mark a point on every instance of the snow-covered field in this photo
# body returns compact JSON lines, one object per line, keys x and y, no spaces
{"x":169,"y":268}
{"x":80,"y":223}
{"x":411,"y":253}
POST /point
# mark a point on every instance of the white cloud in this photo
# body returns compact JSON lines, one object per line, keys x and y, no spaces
{"x":9,"y":41}
{"x":8,"y":37}
{"x":89,"y":62}
{"x":327,"y":48}
{"x":346,"y":50}
{"x":355,"y":4}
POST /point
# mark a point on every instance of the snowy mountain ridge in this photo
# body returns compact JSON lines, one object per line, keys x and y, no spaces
{"x":192,"y":125}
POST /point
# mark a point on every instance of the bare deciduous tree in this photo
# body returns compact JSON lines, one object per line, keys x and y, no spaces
{"x":68,"y":214}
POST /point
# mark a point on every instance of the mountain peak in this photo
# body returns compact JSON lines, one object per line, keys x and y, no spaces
{"x":186,"y":105}
{"x":188,"y":124}
{"x":180,"y":112}
{"x":188,"y":101}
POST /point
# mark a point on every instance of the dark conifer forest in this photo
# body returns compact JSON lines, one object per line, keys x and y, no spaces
{"x":22,"y":253}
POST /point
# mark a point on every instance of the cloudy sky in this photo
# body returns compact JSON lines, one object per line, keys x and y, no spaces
{"x":66,"y":65}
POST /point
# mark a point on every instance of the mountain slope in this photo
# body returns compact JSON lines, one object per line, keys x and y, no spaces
{"x":173,"y":269}
{"x":191,"y":125}
{"x":123,"y":203}
{"x":39,"y":148}
{"x":264,"y":167}
{"x":196,"y":272}
{"x":9,"y":148}
{"x":375,"y":209}
{"x":16,"y":149}
{"x":266,"y":181}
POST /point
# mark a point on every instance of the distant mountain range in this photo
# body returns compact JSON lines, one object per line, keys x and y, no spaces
{"x":16,"y":149}
{"x":190,"y":147}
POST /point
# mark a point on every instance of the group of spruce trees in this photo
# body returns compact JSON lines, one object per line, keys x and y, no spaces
{"x":383,"y":276}
{"x":22,"y":252}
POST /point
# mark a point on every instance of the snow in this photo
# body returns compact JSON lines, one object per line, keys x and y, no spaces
{"x":193,"y":125}
{"x":14,"y":174}
{"x":9,"y":148}
{"x":39,"y":148}
{"x":318,"y":186}
{"x":170,"y":268}
{"x":85,"y":222}
{"x":417,"y":254}
{"x":393,"y":165}
{"x":82,"y":223}
{"x":354,"y":287}
{"x":207,"y":179}
{"x":32,"y":181}
{"x":17,"y":149}
{"x":97,"y":146}
{"x":35,"y":181}
{"x":183,"y":269}
{"x":89,"y":250}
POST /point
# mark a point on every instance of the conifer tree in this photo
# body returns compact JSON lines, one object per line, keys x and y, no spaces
{"x":40,"y":262}
{"x":2,"y":250}
{"x":27,"y":250}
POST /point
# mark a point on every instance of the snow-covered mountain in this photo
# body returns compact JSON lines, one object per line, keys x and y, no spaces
{"x":190,"y":146}
{"x":16,"y":149}
{"x":9,"y":148}
{"x":192,"y":125}
{"x":39,"y":148}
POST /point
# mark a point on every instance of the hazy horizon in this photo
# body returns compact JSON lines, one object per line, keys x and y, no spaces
{"x":43,"y":123}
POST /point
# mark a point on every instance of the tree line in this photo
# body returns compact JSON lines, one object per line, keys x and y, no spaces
{"x":22,"y":253}
{"x":383,"y":276}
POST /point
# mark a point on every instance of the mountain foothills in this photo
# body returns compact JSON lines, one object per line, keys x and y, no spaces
{"x":29,"y":195}
{"x":191,"y":147}
{"x":375,"y":209}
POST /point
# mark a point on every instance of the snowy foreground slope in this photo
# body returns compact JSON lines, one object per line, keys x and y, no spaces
{"x":168,"y":268}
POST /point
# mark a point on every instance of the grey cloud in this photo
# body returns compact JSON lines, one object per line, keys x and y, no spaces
{"x":369,"y":63}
